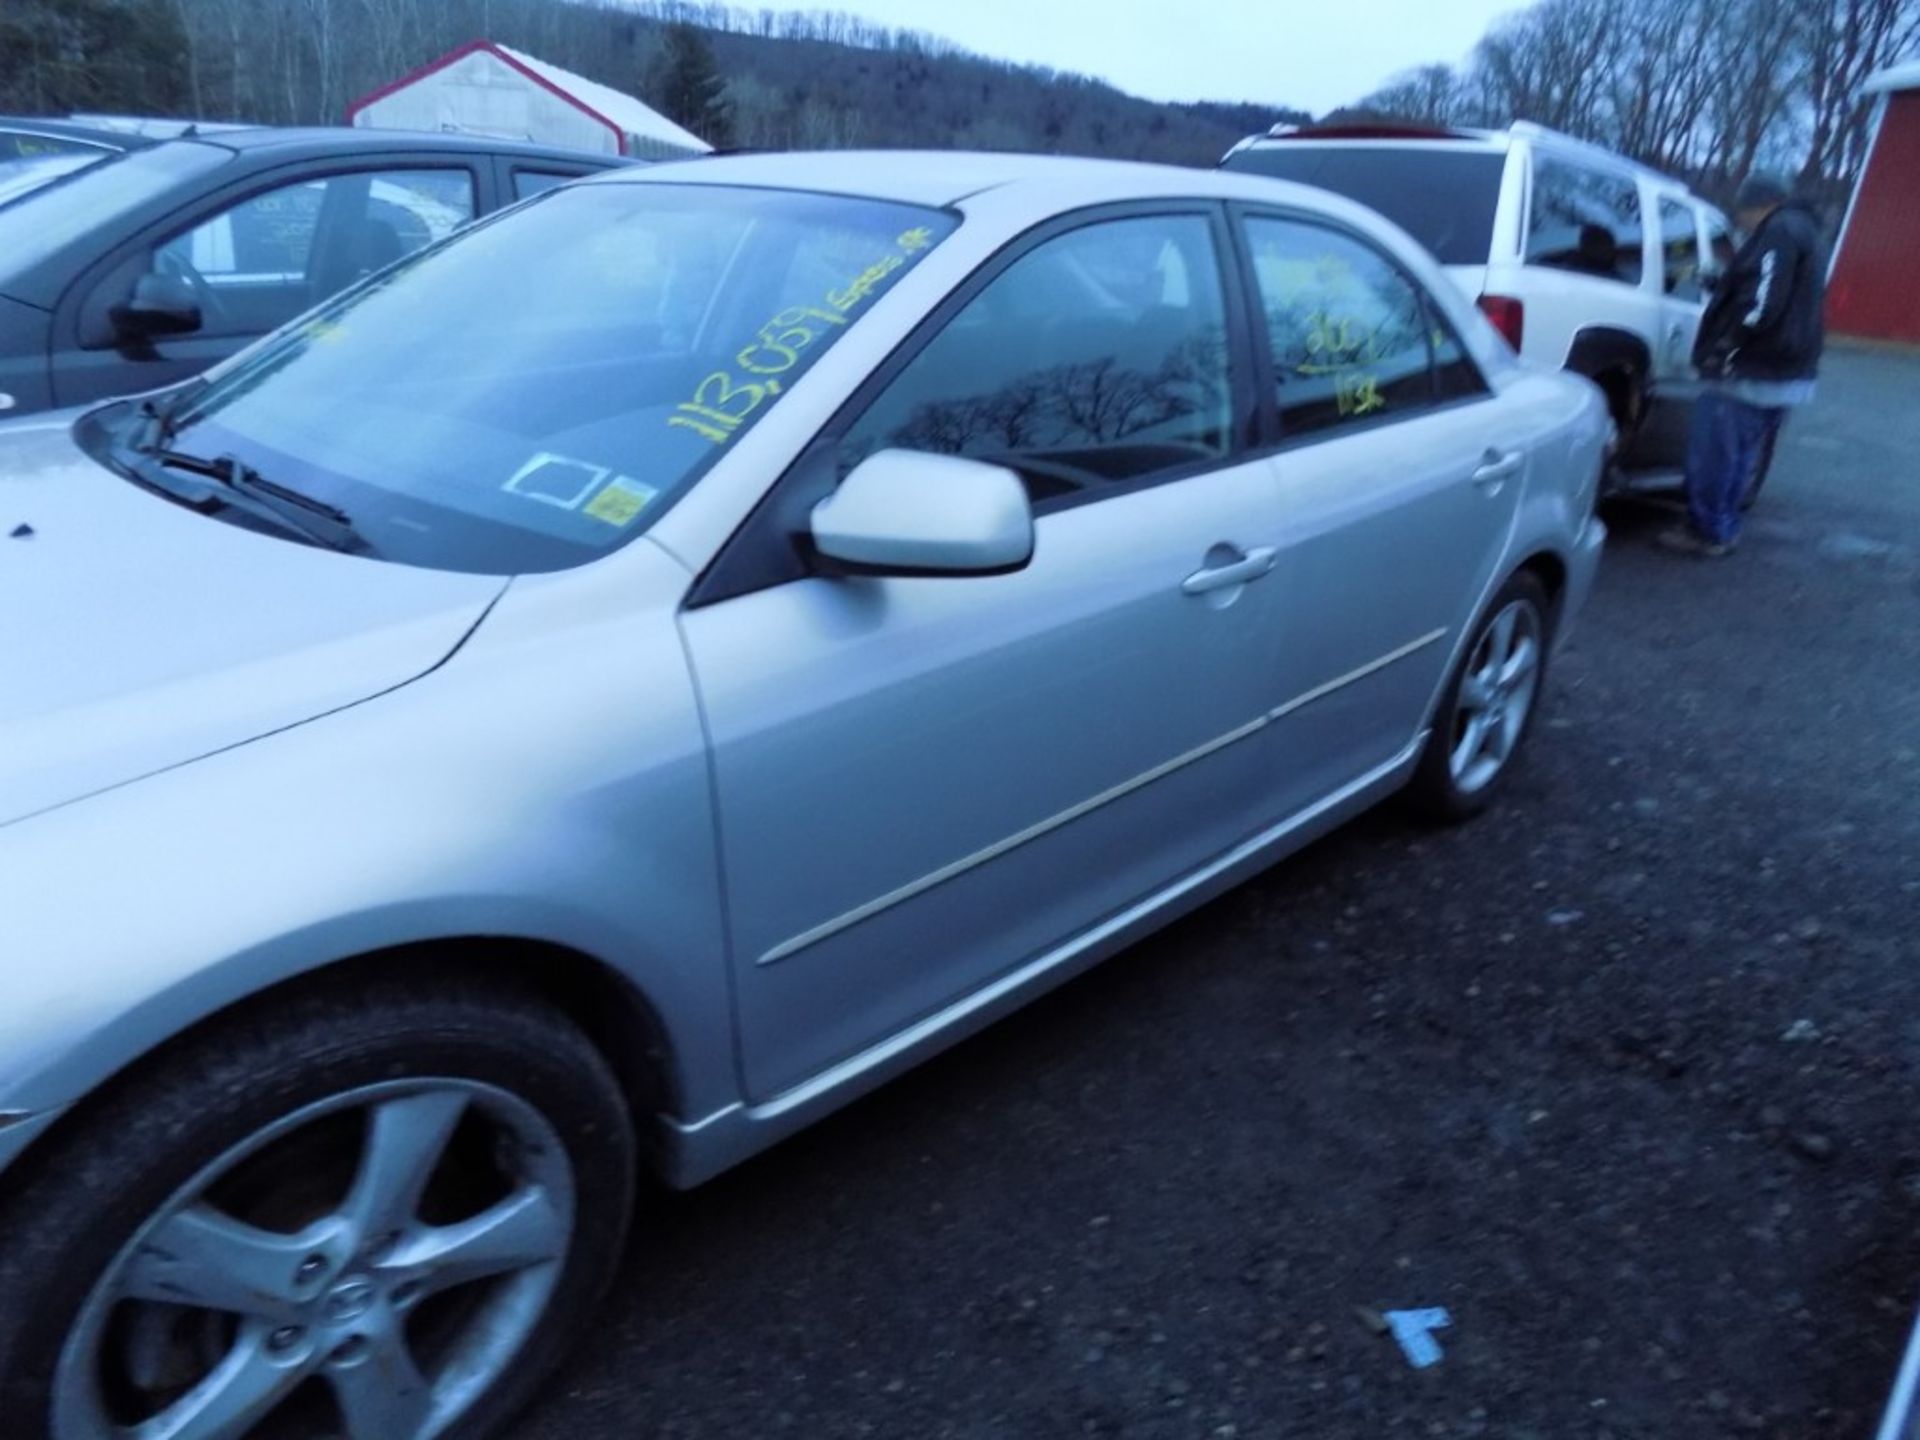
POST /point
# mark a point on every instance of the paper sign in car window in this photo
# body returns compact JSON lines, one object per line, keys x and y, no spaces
{"x":556,"y":480}
{"x":621,"y":501}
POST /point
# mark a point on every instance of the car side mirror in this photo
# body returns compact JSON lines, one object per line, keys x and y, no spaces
{"x":160,"y":305}
{"x":904,"y":513}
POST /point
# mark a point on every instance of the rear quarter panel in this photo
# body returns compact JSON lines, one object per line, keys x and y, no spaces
{"x":1564,"y":418}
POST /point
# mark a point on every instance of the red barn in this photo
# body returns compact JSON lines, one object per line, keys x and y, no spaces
{"x":1875,"y":286}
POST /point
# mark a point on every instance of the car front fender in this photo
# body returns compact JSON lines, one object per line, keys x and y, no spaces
{"x":528,"y":790}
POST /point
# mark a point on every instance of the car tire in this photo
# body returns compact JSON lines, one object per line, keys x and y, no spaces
{"x":476,"y":1121}
{"x":1488,"y":706}
{"x":1626,"y":392}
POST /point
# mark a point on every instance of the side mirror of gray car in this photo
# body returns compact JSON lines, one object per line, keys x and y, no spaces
{"x":904,"y":513}
{"x":160,"y":305}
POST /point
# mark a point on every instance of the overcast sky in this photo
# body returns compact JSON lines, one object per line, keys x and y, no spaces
{"x":1314,"y":54}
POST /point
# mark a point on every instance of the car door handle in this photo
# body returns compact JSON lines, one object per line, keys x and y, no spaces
{"x":1496,"y":469}
{"x":1256,"y":563}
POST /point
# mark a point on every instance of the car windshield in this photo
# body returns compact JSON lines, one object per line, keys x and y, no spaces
{"x":48,"y":217}
{"x":1444,"y":198}
{"x":538,"y":390}
{"x":19,"y":176}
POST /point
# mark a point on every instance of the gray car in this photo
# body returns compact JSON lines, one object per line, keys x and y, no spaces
{"x":127,"y":269}
{"x":604,"y":693}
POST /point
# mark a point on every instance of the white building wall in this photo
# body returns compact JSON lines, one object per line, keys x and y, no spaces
{"x":480,"y":94}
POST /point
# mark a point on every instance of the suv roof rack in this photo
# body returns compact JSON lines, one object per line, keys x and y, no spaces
{"x":1374,"y":130}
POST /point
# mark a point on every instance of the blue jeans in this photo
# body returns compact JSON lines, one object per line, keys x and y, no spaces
{"x":1724,"y":452}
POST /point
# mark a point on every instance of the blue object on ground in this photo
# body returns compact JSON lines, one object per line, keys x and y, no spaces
{"x":1414,"y":1330}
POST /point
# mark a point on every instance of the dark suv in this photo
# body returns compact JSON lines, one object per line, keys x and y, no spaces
{"x":145,"y":268}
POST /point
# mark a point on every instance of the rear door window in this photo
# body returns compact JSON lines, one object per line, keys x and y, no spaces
{"x":1353,"y":338}
{"x":1585,"y":220}
{"x":1443,"y":197}
{"x":1679,"y":250}
{"x":537,"y":182}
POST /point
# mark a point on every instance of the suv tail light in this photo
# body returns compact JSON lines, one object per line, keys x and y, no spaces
{"x":1508,"y":315}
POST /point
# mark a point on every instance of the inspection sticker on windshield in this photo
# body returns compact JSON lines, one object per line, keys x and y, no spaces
{"x":556,"y":480}
{"x":621,"y":501}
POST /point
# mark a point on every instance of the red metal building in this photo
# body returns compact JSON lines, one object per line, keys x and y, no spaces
{"x":1874,"y":289}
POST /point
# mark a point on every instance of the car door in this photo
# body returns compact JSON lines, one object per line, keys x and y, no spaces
{"x":255,"y":256}
{"x":1400,"y":475}
{"x":923,"y":784}
{"x":1683,"y":297}
{"x":1663,"y":439}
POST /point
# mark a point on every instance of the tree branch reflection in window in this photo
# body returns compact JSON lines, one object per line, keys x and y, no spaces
{"x":1098,"y":357}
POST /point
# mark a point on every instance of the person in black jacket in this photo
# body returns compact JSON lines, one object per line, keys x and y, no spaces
{"x":1758,"y":352}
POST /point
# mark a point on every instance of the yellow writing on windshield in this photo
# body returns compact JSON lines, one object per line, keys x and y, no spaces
{"x":863,"y":286}
{"x":724,"y":401}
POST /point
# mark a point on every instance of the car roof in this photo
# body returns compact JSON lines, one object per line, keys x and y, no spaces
{"x":1393,"y":135}
{"x":946,"y":177}
{"x":305,"y":140}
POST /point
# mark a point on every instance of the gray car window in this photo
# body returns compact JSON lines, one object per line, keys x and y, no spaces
{"x":1351,"y":335}
{"x":42,"y":222}
{"x":32,"y":144}
{"x":20,"y":174}
{"x":1585,"y":220}
{"x":535,"y":182}
{"x":261,"y":261}
{"x":1097,"y":357}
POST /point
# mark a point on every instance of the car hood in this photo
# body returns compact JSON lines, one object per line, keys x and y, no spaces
{"x":136,"y":634}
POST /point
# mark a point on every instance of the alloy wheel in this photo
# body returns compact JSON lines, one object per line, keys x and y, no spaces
{"x":1496,"y":696}
{"x":368,"y":1267}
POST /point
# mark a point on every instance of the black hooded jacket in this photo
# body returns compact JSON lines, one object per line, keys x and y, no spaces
{"x":1765,"y":322}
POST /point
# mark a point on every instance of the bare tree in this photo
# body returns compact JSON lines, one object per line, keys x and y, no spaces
{"x":1844,"y":42}
{"x":1703,"y":88}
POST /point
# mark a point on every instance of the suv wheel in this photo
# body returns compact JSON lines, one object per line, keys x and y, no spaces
{"x":1626,"y":392}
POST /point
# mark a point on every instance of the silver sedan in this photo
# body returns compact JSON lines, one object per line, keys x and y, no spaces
{"x":618,"y":685}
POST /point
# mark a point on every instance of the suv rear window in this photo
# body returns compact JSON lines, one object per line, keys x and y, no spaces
{"x":1444,"y":198}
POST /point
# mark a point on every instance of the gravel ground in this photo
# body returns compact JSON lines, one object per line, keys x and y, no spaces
{"x":1623,"y":1075}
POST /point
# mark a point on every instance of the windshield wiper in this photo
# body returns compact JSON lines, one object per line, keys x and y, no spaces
{"x":323,"y":524}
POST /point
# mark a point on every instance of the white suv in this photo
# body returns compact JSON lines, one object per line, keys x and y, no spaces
{"x":1583,"y":259}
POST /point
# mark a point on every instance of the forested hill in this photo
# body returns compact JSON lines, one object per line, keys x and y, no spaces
{"x":894,"y":96}
{"x":741,"y":78}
